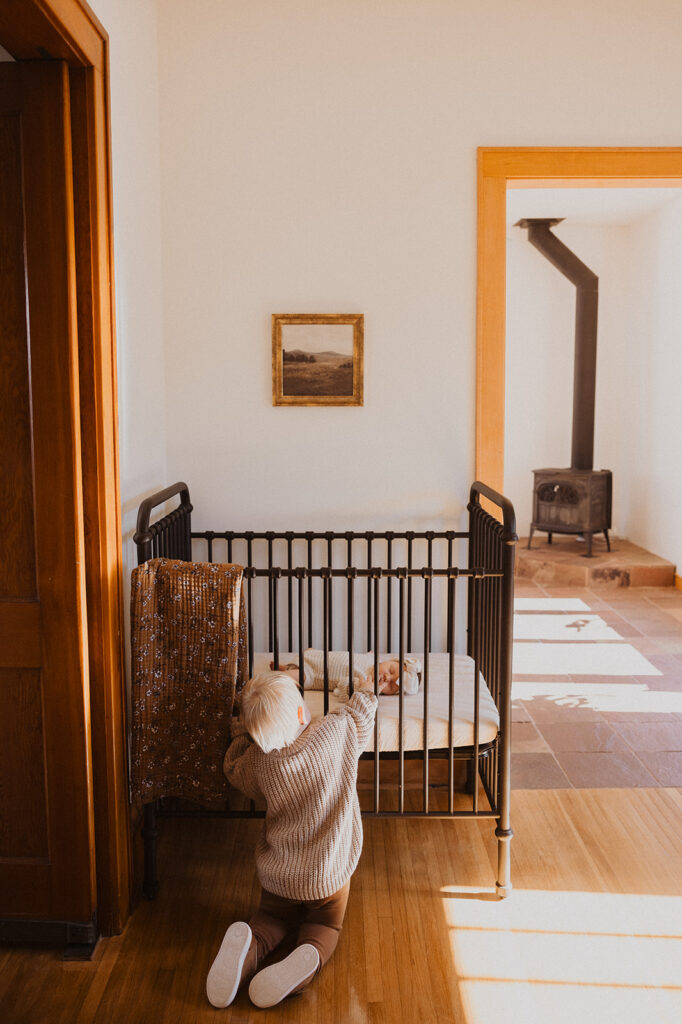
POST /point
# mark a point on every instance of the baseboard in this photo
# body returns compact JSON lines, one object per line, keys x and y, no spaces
{"x":78,"y":939}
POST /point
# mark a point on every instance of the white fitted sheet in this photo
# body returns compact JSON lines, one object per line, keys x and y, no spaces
{"x":413,"y":706}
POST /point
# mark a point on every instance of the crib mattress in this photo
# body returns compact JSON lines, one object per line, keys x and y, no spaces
{"x":413,"y":707}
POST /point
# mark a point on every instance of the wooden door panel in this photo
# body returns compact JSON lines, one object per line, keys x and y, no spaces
{"x":22,"y":768}
{"x":17,"y":559}
{"x":46,"y":842}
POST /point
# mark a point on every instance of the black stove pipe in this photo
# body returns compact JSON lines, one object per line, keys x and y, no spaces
{"x":586,"y":304}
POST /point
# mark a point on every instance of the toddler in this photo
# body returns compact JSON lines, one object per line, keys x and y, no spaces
{"x":363,"y":672}
{"x":311,"y":839}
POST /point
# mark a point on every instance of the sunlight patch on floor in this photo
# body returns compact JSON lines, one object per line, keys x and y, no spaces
{"x":563,"y":956}
{"x":536,"y":1003}
{"x":556,"y":659}
{"x":563,"y":627}
{"x":550,"y":604}
{"x":601,"y":696}
{"x":635,"y":697}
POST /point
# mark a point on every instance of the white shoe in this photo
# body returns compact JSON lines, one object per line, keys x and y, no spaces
{"x":226,"y":970}
{"x":271,"y":985}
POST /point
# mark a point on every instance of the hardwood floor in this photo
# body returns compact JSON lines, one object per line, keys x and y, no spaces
{"x":591,"y":929}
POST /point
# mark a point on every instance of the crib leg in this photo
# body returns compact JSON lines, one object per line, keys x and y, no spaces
{"x":503,"y":883}
{"x":150,"y":885}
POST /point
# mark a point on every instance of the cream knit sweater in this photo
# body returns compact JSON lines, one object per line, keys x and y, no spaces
{"x":312,"y":836}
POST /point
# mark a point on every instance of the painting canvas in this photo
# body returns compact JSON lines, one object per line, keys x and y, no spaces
{"x":317,"y":359}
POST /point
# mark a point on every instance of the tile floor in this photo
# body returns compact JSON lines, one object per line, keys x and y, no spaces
{"x":597,"y":693}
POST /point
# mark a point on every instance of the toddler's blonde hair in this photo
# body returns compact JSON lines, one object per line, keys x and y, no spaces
{"x":270,"y":703}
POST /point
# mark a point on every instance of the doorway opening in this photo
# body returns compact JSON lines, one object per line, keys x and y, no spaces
{"x":602,"y":184}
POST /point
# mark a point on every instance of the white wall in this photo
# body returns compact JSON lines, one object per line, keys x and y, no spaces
{"x":539,"y":368}
{"x":131,"y":25}
{"x":321,"y":156}
{"x":653,"y":435}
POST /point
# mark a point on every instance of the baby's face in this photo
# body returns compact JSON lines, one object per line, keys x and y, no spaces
{"x":389,"y":676}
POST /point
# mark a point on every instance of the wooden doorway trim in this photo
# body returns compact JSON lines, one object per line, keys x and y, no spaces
{"x":502,"y":168}
{"x":68,"y":30}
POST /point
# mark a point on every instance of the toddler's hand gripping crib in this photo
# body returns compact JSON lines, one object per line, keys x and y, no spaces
{"x":348,"y":591}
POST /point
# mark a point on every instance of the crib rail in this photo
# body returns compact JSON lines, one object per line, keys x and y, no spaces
{"x":170,"y":536}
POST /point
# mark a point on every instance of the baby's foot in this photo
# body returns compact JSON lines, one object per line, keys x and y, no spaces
{"x":230,"y":966}
{"x":271,"y":985}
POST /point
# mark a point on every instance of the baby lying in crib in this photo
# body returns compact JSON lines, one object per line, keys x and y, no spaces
{"x":363,"y":672}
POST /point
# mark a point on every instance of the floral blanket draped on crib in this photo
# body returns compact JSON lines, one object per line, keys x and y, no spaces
{"x":188,"y":644}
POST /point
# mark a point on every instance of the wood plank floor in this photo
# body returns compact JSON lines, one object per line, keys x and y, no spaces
{"x":591,"y":930}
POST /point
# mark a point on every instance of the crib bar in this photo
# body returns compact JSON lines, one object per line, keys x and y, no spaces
{"x":369,"y":592}
{"x":427,"y":651}
{"x":170,"y":539}
{"x":376,"y":690}
{"x":249,"y":628}
{"x":326,"y":583}
{"x":350,"y":628}
{"x":389,"y":587}
{"x":430,"y":536}
{"x":452,"y":583}
{"x":301,"y":683}
{"x":401,"y":695}
{"x":275,"y":623}
{"x":410,"y":538}
{"x":330,"y":563}
{"x":290,"y":584}
{"x":309,"y":539}
{"x":270,"y":638}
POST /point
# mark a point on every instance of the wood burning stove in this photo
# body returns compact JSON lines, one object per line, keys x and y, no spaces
{"x":578,"y":499}
{"x":572,"y":501}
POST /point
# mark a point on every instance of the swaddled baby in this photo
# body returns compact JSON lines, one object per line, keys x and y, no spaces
{"x":363,"y":672}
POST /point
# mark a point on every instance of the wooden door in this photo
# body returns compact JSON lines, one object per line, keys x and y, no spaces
{"x":46,"y":815}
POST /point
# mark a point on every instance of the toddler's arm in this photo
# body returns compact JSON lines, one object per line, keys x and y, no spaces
{"x":239,"y":764}
{"x":362,"y":708}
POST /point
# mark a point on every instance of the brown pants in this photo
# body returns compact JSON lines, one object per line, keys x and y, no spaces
{"x":318,"y":922}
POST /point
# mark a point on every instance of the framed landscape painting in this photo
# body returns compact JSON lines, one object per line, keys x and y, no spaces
{"x":317,"y":359}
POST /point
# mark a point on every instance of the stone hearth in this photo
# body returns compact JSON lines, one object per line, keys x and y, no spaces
{"x":562,"y":563}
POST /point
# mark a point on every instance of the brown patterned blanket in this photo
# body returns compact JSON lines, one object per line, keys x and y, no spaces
{"x":188,"y":664}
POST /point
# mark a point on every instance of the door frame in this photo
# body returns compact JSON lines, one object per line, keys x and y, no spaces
{"x":68,"y":30}
{"x":500,"y":168}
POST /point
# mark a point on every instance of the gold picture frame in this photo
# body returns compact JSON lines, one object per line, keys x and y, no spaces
{"x":317,"y":359}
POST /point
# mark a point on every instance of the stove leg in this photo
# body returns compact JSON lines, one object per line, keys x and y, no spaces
{"x":530,"y":535}
{"x":588,"y":537}
{"x":549,"y":538}
{"x":608,"y":542}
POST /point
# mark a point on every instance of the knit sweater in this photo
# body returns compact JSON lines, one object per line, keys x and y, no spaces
{"x":312,"y":835}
